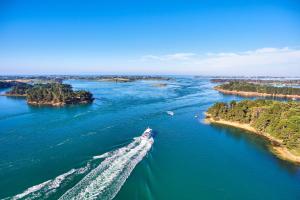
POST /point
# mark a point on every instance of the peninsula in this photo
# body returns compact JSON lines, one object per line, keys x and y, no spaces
{"x":252,"y":90}
{"x":260,"y":80}
{"x":277,"y":121}
{"x":54,"y":94}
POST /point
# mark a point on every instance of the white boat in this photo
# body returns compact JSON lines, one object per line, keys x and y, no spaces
{"x":170,"y":113}
{"x":147,"y":133}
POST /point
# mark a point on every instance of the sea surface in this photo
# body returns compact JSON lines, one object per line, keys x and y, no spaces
{"x":96,"y":152}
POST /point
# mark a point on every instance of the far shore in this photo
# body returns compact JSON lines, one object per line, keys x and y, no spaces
{"x":277,"y":148}
{"x":256,"y":94}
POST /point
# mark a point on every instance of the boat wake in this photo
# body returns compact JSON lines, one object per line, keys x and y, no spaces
{"x":47,"y":188}
{"x":106,"y":180}
{"x":171,"y":113}
{"x":102,"y":182}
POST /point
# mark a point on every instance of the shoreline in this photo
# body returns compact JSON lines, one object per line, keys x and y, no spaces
{"x":33,"y":103}
{"x":56,"y":104}
{"x":276,"y":145}
{"x":44,"y":103}
{"x":255,"y":94}
{"x":12,"y":95}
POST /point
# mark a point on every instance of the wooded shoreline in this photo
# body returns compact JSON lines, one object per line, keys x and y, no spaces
{"x":255,"y":94}
{"x":277,"y":148}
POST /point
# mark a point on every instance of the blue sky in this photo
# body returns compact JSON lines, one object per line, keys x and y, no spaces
{"x":150,"y":37}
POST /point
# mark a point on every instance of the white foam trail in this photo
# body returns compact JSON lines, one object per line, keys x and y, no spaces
{"x":31,"y":190}
{"x":102,"y":155}
{"x":82,"y":170}
{"x":48,"y":187}
{"x":107,"y":178}
{"x":170,"y":113}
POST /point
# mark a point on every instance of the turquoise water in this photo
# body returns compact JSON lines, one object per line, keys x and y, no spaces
{"x":188,"y":159}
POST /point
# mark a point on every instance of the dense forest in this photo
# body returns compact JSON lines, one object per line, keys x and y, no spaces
{"x":52,"y":94}
{"x":251,"y":87}
{"x":279,"y":119}
{"x":19,"y":90}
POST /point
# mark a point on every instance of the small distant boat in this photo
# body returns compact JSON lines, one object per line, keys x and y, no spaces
{"x":170,"y":113}
{"x":294,"y":99}
{"x":196,"y":116}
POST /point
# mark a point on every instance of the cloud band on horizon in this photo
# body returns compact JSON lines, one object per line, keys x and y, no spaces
{"x":263,"y":61}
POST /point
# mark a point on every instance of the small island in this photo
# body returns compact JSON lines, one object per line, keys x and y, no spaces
{"x":277,"y":121}
{"x":252,"y":90}
{"x":54,"y":94}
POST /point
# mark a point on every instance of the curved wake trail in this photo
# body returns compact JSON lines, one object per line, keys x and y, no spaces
{"x":105,"y":181}
{"x":45,"y":189}
{"x":102,"y":182}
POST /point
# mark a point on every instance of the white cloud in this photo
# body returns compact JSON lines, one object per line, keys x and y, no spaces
{"x":264,"y":61}
{"x":169,"y":57}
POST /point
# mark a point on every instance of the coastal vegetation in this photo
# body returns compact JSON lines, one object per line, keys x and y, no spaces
{"x":19,"y":90}
{"x":55,"y":94}
{"x":251,"y":89}
{"x":260,"y":80}
{"x":279,"y":121}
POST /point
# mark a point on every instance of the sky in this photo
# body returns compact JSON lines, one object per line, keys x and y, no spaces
{"x":180,"y":37}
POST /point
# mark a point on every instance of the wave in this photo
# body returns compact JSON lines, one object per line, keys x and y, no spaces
{"x":14,"y":115}
{"x":102,"y":182}
{"x":81,"y":114}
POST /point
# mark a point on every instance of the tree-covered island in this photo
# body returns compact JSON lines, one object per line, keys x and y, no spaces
{"x":278,"y":121}
{"x":55,"y":94}
{"x":251,"y":89}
